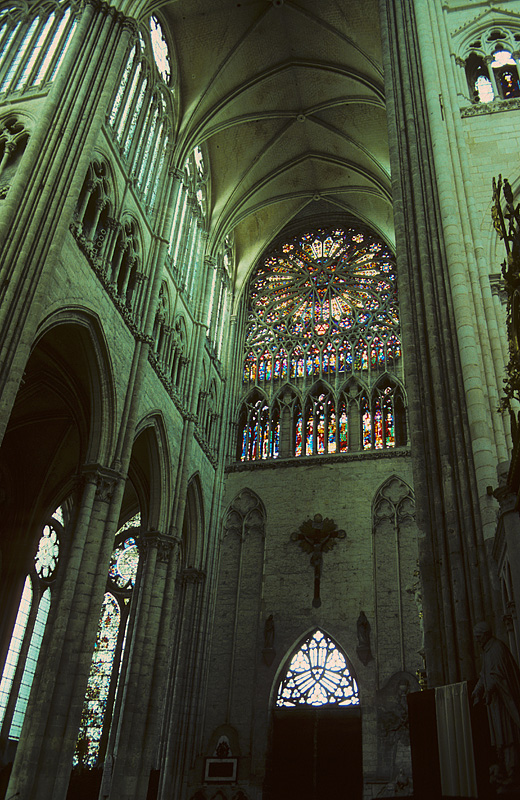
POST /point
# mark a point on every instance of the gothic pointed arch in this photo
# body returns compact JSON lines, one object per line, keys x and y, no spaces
{"x":397,"y":584}
{"x":149,"y":473}
{"x":193,"y":524}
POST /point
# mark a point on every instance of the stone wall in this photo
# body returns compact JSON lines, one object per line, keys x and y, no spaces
{"x":263,"y":571}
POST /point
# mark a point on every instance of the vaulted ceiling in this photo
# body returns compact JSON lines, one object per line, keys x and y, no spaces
{"x":287,"y":98}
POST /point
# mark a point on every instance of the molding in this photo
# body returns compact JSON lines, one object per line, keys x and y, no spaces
{"x":307,"y":461}
{"x":481,"y":109}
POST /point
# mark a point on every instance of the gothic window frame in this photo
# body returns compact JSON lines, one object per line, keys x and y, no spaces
{"x":141,"y":115}
{"x":33,"y":45}
{"x":29,"y":627}
{"x":479,"y":61}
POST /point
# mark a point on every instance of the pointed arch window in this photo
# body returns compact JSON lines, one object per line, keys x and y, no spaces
{"x":109,"y":648}
{"x":318,"y":675}
{"x":259,"y":430}
{"x":29,"y":628}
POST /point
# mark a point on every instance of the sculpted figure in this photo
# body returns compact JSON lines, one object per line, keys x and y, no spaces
{"x":499,"y":687}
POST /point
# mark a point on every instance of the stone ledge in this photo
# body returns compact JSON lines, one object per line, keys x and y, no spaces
{"x":316,"y":461}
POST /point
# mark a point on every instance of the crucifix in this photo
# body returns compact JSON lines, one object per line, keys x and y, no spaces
{"x":316,"y":536}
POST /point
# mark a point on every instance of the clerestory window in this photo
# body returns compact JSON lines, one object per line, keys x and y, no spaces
{"x":33,"y":47}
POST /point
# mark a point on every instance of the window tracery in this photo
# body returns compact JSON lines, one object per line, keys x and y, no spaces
{"x":318,"y":675}
{"x":188,"y":230}
{"x":323,"y":315}
{"x":32,"y":47}
{"x":29,"y":627}
{"x":109,"y":647}
{"x":141,"y":111}
{"x":491,"y":66}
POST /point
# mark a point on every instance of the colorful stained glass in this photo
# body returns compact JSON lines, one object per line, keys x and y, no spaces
{"x":318,"y":675}
{"x":331,"y":441}
{"x":274,"y":435}
{"x":366,"y":421}
{"x":378,"y":425}
{"x":98,"y":686}
{"x":123,"y":564}
{"x":309,"y":432}
{"x":388,"y":412}
{"x":298,"y":449}
{"x":316,"y":288}
{"x":343,"y":430}
{"x":320,"y":424}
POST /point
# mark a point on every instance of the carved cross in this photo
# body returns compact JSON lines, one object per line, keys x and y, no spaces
{"x":316,"y":536}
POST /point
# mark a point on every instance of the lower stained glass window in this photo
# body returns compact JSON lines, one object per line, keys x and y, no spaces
{"x":109,"y":649}
{"x":318,"y":675}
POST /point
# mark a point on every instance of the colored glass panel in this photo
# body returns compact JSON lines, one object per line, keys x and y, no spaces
{"x":298,"y":434}
{"x":323,"y":284}
{"x":343,"y":431}
{"x":389,"y":422}
{"x":123,"y":564}
{"x":98,"y":686}
{"x":378,"y":425}
{"x":366,"y":420}
{"x":309,"y":433}
{"x":318,"y":675}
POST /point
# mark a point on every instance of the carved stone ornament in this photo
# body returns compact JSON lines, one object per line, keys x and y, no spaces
{"x":105,"y":480}
{"x":191,"y":576}
{"x":316,"y":536}
{"x":162,"y":542}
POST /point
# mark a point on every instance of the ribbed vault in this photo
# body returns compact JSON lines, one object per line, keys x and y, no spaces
{"x":287,"y":97}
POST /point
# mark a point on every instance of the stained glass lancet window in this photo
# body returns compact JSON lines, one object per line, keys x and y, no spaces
{"x":109,"y":648}
{"x":318,"y":675}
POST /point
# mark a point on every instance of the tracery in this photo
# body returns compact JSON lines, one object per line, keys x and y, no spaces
{"x":318,"y":675}
{"x":323,"y":316}
{"x":109,"y":648}
{"x":32,"y":49}
{"x":29,"y":628}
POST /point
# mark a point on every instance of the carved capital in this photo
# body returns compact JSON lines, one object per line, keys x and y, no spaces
{"x":191,"y":576}
{"x":105,"y":480}
{"x":154,"y":540}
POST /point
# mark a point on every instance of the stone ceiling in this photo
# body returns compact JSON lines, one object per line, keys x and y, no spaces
{"x":286,"y":97}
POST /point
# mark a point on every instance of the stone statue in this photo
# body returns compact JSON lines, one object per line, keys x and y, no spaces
{"x":268,"y":653}
{"x":363,"y":631}
{"x":499,"y":687}
{"x":269,"y":632}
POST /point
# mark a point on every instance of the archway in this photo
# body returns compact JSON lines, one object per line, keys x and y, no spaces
{"x":316,"y":725}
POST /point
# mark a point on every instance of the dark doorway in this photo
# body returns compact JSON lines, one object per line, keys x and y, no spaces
{"x":315,"y":754}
